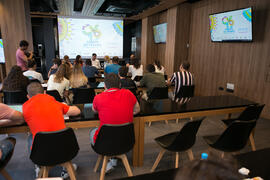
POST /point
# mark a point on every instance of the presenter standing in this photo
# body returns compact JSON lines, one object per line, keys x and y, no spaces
{"x":22,"y":56}
{"x":95,"y":61}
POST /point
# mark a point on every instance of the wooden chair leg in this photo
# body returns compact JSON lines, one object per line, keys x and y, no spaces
{"x":190,"y":154}
{"x":176,"y":159}
{"x":161,"y":153}
{"x":98,"y":162}
{"x":177,"y":121}
{"x":149,"y":124}
{"x":45,"y":173}
{"x":222,"y":155}
{"x":40,"y":174}
{"x":103,"y":169}
{"x":166,"y":121}
{"x":252,"y":142}
{"x":5,"y":174}
{"x":191,"y":118}
{"x":124,"y":159}
{"x":70,"y":170}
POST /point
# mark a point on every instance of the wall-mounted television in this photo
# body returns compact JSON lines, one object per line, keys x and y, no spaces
{"x":2,"y":56}
{"x":231,"y":26}
{"x":160,"y":33}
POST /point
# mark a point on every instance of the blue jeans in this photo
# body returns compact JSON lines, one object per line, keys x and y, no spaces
{"x":6,"y":147}
{"x":30,"y":141}
{"x":92,"y":134}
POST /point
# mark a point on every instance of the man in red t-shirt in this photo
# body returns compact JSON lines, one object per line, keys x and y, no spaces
{"x":43,"y":113}
{"x":114,"y":106}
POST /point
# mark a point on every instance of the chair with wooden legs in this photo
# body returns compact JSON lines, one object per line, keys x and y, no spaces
{"x":114,"y":141}
{"x":3,"y":163}
{"x":55,"y":148}
{"x":250,"y":113}
{"x":233,"y":139}
{"x":178,"y":141}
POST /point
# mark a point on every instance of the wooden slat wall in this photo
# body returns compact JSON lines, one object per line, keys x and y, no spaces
{"x":15,"y":26}
{"x":247,"y":65}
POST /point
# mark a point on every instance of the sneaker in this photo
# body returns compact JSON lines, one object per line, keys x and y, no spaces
{"x":109,"y":167}
{"x":64,"y":173}
{"x":37,"y":170}
{"x":114,"y":162}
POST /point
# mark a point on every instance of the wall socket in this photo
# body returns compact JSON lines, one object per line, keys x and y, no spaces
{"x":230,"y":86}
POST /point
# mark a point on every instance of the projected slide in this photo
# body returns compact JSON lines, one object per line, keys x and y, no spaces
{"x":233,"y":25}
{"x":2,"y":57}
{"x":160,"y":33}
{"x":87,"y":36}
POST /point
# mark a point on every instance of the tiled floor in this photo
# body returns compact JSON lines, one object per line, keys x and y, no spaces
{"x":21,"y":168}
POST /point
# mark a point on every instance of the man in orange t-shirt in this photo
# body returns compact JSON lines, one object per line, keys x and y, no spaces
{"x":43,"y":113}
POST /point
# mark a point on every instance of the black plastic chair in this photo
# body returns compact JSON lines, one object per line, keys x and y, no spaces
{"x":7,"y":159}
{"x":92,"y":80}
{"x":250,"y":113}
{"x":178,"y":141}
{"x":114,"y":141}
{"x":55,"y":94}
{"x":234,"y":138}
{"x":159,"y":93}
{"x":55,"y":148}
{"x":83,"y":95}
{"x":137,"y":78}
{"x":185,"y":92}
{"x":14,"y":97}
{"x":133,"y":90}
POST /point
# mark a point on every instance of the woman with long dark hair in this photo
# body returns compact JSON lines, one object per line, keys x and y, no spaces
{"x":159,"y":68}
{"x":136,"y":68}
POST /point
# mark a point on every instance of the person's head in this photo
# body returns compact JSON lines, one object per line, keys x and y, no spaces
{"x":57,"y":62}
{"x":60,"y":73}
{"x":185,"y":66}
{"x":94,"y":56}
{"x":211,"y":169}
{"x":34,"y":88}
{"x":150,"y":68}
{"x":31,"y":64}
{"x":88,"y":62}
{"x":132,"y":56}
{"x":15,"y":73}
{"x":66,"y":58}
{"x":157,"y":63}
{"x":107,"y":58}
{"x":78,"y":60}
{"x":115,"y":60}
{"x":111,"y":80}
{"x":77,"y":76}
{"x":123,"y":71}
{"x":136,"y":63}
{"x":23,"y":45}
{"x":77,"y":70}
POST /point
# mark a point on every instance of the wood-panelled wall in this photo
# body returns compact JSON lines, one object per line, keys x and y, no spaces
{"x":247,"y":65}
{"x":15,"y":24}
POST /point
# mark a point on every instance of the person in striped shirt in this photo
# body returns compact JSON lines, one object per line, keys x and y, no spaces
{"x":181,"y":78}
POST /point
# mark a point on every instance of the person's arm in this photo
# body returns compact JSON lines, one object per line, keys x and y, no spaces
{"x":136,"y":108}
{"x":73,"y":111}
{"x":15,"y":119}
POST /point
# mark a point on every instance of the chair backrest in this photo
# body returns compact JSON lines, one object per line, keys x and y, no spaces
{"x":55,"y":94}
{"x":165,"y":77}
{"x":186,"y":136}
{"x":185,"y":91}
{"x":137,"y":78}
{"x":251,"y":112}
{"x":159,"y":93}
{"x":235,"y":137}
{"x":52,"y":148}
{"x":83,"y":95}
{"x":91,"y":79}
{"x":115,"y":139}
{"x":15,"y":97}
{"x":34,"y":80}
{"x":132,"y":89}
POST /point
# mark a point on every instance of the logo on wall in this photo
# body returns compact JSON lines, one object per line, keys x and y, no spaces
{"x":228,"y":22}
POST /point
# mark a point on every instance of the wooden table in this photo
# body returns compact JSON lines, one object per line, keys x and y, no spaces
{"x":155,"y":110}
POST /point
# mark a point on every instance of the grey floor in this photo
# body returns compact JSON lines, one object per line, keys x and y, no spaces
{"x":20,"y":167}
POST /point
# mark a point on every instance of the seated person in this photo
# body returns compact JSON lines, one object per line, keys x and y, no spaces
{"x":151,"y":80}
{"x":78,"y":60}
{"x":56,"y":63}
{"x":159,"y":68}
{"x":95,"y":61}
{"x":107,"y":61}
{"x":8,"y":117}
{"x":181,"y":78}
{"x":31,"y":72}
{"x":89,"y":70}
{"x":15,"y":80}
{"x":58,"y":81}
{"x":129,"y":60}
{"x":135,"y":68}
{"x":77,"y":78}
{"x":114,"y":106}
{"x":43,"y":113}
{"x":67,"y":61}
{"x":114,"y":67}
{"x":125,"y":82}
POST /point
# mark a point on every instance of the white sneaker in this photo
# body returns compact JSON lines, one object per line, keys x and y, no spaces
{"x":64,"y":173}
{"x":37,"y":170}
{"x":109,"y":167}
{"x":113,"y":161}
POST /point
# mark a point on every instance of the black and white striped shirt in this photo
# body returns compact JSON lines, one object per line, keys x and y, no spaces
{"x":182,"y":78}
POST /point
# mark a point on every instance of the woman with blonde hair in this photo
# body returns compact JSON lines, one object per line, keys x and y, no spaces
{"x":107,"y":61}
{"x":77,"y":78}
{"x":58,"y":81}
